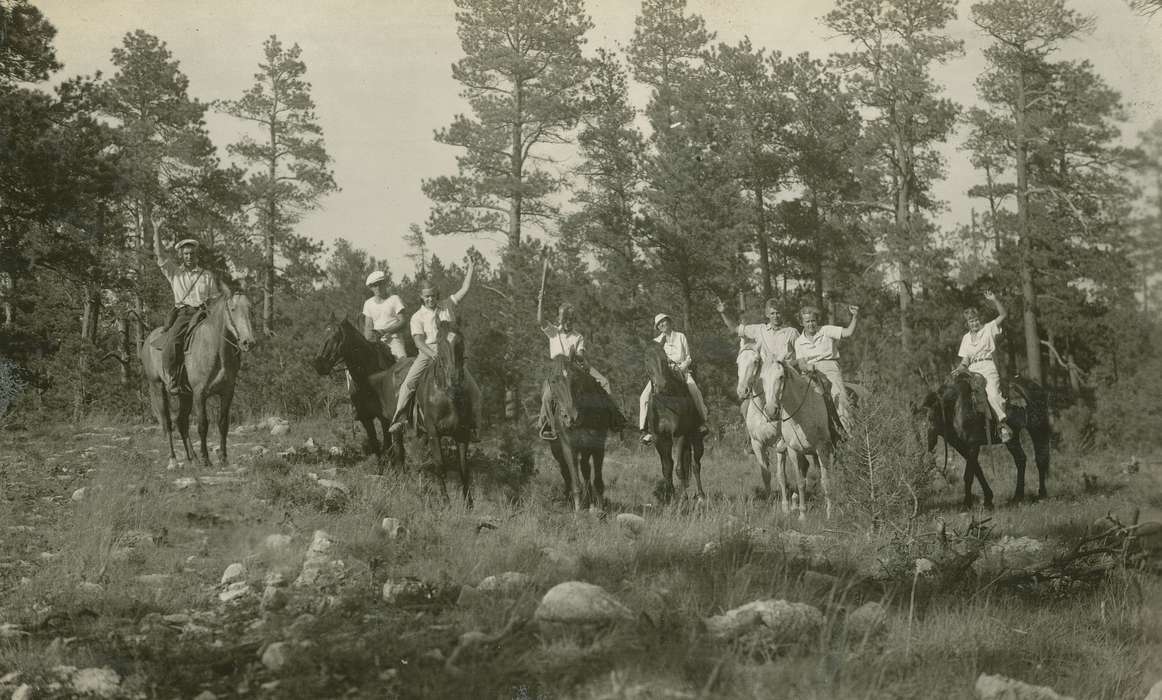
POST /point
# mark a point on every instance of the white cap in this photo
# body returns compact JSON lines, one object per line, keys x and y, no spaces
{"x":661,"y":317}
{"x":376,"y":277}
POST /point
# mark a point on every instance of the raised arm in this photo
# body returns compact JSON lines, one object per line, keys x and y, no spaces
{"x":463,"y":291}
{"x":1001,"y":314}
{"x":157,"y":248}
{"x":847,"y":332}
{"x":731,"y":326}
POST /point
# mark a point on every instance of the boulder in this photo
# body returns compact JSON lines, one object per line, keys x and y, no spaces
{"x":278,"y":426}
{"x":579,"y":604}
{"x":276,"y":656}
{"x":775,"y":622}
{"x":320,"y":566}
{"x":1001,"y":688}
{"x":507,"y":583}
{"x":867,"y":621}
{"x":393,"y":528}
{"x":24,"y":692}
{"x":234,"y":592}
{"x":234,"y":572}
{"x":274,"y":598}
{"x":631,"y":524}
{"x":102,"y":682}
{"x":925,"y":567}
{"x":1011,"y":553}
{"x":407,"y":591}
{"x":79,"y":494}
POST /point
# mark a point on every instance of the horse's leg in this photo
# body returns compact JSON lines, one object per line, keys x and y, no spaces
{"x":598,"y":492}
{"x":682,"y":448}
{"x":373,"y":444}
{"x":438,"y":464}
{"x":200,"y":400}
{"x":664,"y":444}
{"x":972,"y":469}
{"x":800,"y":482}
{"x":823,"y":458}
{"x":1040,"y":437}
{"x":573,"y":479}
{"x":585,"y":469}
{"x":185,"y":406}
{"x":780,"y":475}
{"x":1018,"y":452}
{"x":696,"y":448}
{"x":224,"y":401}
{"x":465,"y":472}
{"x":160,"y":403}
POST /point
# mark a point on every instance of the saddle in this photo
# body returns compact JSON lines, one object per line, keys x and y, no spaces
{"x":194,"y":322}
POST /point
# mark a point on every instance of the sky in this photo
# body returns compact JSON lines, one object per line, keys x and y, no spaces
{"x":381,"y":77}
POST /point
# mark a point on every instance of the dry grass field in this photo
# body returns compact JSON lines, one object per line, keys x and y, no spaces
{"x":110,"y":563}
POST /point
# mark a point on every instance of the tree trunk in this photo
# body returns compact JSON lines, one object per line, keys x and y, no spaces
{"x":763,"y":244}
{"x":125,"y":354}
{"x":1028,"y":291}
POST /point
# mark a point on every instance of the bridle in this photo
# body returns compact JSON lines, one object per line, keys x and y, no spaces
{"x":228,"y":323}
{"x":753,"y":396}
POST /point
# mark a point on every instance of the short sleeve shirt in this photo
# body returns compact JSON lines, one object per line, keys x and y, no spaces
{"x":383,"y":311}
{"x":820,"y":347}
{"x":675,"y":346}
{"x":981,"y":345}
{"x":426,"y":322}
{"x":774,"y":343}
{"x":569,"y":343}
{"x":191,"y":287}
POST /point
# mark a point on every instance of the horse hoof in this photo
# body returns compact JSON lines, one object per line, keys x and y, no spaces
{"x":172,"y":465}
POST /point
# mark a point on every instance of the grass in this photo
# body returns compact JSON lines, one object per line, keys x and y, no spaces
{"x":99,"y":581}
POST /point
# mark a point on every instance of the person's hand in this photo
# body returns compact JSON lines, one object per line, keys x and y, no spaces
{"x":853,"y":308}
{"x":989,"y":295}
{"x":719,"y":305}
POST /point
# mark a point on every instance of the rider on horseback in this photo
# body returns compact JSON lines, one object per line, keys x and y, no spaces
{"x":976,"y":355}
{"x":678,"y":352}
{"x":194,"y":287}
{"x":815,"y":349}
{"x":775,"y":341}
{"x":383,"y":318}
{"x":563,"y":340}
{"x":425,"y":328}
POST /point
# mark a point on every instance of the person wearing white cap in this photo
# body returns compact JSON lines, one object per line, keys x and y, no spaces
{"x":425,"y":329}
{"x":383,"y":318}
{"x":193,"y":287}
{"x":678,"y":352}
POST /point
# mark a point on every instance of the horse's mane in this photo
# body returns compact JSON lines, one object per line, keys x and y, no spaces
{"x":666,"y":381}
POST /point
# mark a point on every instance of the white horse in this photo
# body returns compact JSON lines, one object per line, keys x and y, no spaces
{"x":784,"y":409}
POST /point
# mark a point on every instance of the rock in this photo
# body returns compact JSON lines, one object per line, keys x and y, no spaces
{"x":506,"y":583}
{"x":775,"y":621}
{"x":276,"y":656}
{"x":320,"y":567}
{"x":234,"y":572}
{"x":205,"y":695}
{"x":711,"y":548}
{"x":332,"y":484}
{"x":631,"y":524}
{"x":925,"y":567}
{"x":274,"y":598}
{"x":1001,"y":688}
{"x":276,"y":541}
{"x":10,"y":678}
{"x":102,"y":682}
{"x":579,"y":604}
{"x":407,"y":591}
{"x":311,"y":446}
{"x":393,"y":528}
{"x":79,"y":494}
{"x":278,"y":426}
{"x":257,"y":451}
{"x":1155,"y":692}
{"x":24,"y":692}
{"x":10,"y":631}
{"x":1011,"y":553}
{"x":235,"y":591}
{"x":565,"y":563}
{"x":867,"y":621}
{"x":335,"y":451}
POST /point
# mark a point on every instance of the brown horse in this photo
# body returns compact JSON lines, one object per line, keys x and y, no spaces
{"x":212,"y":357}
{"x":950,"y":413}
{"x":674,"y":420}
{"x":580,"y":418}
{"x":376,"y":377}
{"x":445,"y":409}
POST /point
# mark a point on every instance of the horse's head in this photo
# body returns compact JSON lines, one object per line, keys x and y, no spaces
{"x":331,"y":352}
{"x":664,"y":378}
{"x":771,"y":377}
{"x":238,"y":320}
{"x":748,"y":367}
{"x":451,"y":353}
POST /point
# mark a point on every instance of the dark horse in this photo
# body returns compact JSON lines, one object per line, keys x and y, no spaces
{"x":580,"y":419}
{"x":444,"y":406}
{"x":375,"y":380}
{"x":212,"y":358}
{"x":673,"y":419}
{"x":951,"y":413}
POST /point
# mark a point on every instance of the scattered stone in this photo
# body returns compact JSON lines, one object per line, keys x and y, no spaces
{"x":10,"y":631}
{"x":631,"y":524}
{"x":1011,"y":553}
{"x":711,"y":548}
{"x":407,"y":591}
{"x":867,"y":621}
{"x":1001,"y":688}
{"x":278,"y":426}
{"x":276,"y":656}
{"x":925,"y":567}
{"x":234,"y":572}
{"x":276,"y":541}
{"x":776,"y":622}
{"x":274,"y":598}
{"x":319,"y":566}
{"x":393,"y":527}
{"x":575,"y":604}
{"x":311,"y":446}
{"x":24,"y":692}
{"x":507,"y":583}
{"x":79,"y":494}
{"x":235,"y":591}
{"x":332,"y":484}
{"x":102,"y":682}
{"x":257,"y":451}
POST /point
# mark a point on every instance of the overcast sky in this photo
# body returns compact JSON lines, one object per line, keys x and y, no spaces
{"x":382,"y":81}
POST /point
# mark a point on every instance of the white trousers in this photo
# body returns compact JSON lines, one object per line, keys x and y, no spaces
{"x":992,"y":385}
{"x":648,"y":392}
{"x":412,"y":380}
{"x":830,"y":369}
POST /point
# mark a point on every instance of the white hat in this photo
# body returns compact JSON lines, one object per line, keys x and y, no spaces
{"x":185,"y":242}
{"x":661,"y":317}
{"x":375,"y":278}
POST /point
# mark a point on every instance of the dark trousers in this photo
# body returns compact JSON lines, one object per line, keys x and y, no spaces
{"x":173,"y":347}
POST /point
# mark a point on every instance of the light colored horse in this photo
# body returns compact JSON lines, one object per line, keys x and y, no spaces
{"x":790,"y":409}
{"x":212,"y":358}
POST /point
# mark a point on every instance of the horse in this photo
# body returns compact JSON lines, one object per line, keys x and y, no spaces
{"x":213,"y":355}
{"x":580,"y":419}
{"x":376,"y":377}
{"x":763,"y":432}
{"x":797,"y":405}
{"x":674,"y":420}
{"x":444,"y":405}
{"x":950,"y":413}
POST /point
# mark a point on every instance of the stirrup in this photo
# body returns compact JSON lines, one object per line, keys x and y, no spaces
{"x":647,"y":439}
{"x":397,"y":426}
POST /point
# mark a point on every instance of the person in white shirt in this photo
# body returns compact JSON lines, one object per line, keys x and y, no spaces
{"x":977,"y":348}
{"x":775,"y":342}
{"x":815,"y":348}
{"x":425,"y":329}
{"x":193,"y":288}
{"x":678,"y":352}
{"x":383,"y":316}
{"x":563,"y":340}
